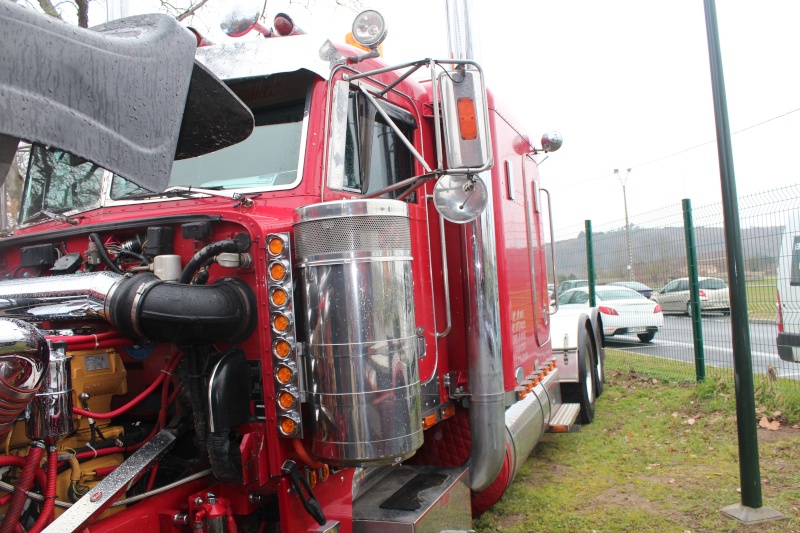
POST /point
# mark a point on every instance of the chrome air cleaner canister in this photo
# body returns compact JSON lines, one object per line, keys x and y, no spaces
{"x":359,"y":332}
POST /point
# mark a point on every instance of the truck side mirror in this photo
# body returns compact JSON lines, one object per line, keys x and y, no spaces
{"x":465,"y":116}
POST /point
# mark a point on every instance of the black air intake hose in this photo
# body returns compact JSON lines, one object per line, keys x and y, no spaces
{"x":237,"y":245}
{"x":145,"y":307}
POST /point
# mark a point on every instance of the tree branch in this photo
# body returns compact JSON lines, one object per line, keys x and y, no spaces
{"x":83,"y":13}
{"x":191,"y":11}
{"x":48,"y":8}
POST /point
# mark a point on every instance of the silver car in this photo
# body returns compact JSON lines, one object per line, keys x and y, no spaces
{"x":674,"y":297}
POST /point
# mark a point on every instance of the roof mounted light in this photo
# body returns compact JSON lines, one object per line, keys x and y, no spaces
{"x":369,"y":29}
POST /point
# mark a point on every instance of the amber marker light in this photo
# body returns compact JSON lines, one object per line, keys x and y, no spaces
{"x":276,"y":246}
{"x":448,"y":411}
{"x":283,"y":349}
{"x":284,"y":374}
{"x":279,"y":297}
{"x":286,"y":399}
{"x":325,"y":472}
{"x":429,"y":421}
{"x":281,"y":323}
{"x":277,"y":271}
{"x":466,"y":119}
{"x":287,"y":426}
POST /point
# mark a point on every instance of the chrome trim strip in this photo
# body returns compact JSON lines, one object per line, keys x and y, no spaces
{"x":552,"y":250}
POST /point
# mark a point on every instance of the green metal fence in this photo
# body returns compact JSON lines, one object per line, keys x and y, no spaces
{"x":652,"y":251}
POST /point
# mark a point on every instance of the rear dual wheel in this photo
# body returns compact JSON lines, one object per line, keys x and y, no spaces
{"x":584,"y":392}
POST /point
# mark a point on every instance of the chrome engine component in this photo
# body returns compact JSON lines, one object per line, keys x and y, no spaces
{"x":24,"y":356}
{"x":50,"y":413}
{"x":362,"y":376}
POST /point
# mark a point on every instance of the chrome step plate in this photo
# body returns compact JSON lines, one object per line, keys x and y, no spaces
{"x":564,"y":419}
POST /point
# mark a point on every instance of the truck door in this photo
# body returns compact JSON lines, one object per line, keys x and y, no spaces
{"x":367,"y":155}
{"x":535,"y":231}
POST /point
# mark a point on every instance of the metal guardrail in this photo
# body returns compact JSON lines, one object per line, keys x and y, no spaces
{"x":659,"y":249}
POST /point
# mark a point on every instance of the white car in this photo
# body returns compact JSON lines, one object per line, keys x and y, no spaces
{"x":674,"y":297}
{"x":624,"y":311}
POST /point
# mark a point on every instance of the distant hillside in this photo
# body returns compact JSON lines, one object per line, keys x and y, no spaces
{"x":659,"y":254}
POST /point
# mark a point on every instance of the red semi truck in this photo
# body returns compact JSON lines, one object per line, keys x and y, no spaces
{"x":329,"y":314}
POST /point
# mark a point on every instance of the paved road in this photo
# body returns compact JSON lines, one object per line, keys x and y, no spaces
{"x":674,"y":341}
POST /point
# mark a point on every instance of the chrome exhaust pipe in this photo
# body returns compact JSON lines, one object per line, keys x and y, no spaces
{"x":484,"y":350}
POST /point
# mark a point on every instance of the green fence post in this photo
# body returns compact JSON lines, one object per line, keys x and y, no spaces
{"x":590,"y":263}
{"x":751,"y":509}
{"x":694,"y":292}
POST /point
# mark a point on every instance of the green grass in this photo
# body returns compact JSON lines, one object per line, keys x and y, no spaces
{"x":662,"y":455}
{"x":762,"y":298}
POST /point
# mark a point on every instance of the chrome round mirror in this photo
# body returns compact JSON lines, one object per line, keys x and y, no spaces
{"x":240,"y":17}
{"x":551,"y":141}
{"x":460,"y":198}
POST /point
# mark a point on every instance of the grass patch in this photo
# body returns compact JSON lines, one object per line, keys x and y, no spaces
{"x":662,"y":455}
{"x":762,"y":298}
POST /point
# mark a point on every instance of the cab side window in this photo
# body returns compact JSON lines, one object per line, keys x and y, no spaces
{"x":375,"y":156}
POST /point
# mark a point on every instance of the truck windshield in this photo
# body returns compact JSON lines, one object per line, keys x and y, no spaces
{"x":58,"y":182}
{"x":270,"y":158}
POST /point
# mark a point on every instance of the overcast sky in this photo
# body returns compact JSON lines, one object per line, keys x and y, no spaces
{"x":627,"y":83}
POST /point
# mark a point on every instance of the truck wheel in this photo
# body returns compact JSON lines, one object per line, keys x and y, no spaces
{"x":646,"y":337}
{"x":599,"y":373}
{"x":584,"y":392}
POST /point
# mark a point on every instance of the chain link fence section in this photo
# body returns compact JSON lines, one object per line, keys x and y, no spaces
{"x":652,"y":251}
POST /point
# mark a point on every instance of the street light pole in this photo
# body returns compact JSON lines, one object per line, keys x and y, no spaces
{"x":627,"y":224}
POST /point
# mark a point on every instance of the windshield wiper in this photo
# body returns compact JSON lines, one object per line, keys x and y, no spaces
{"x":60,"y":218}
{"x":183,"y":190}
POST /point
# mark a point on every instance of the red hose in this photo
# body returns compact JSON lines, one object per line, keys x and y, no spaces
{"x":128,"y":406}
{"x":82,"y":339}
{"x":110,"y":343}
{"x":25,"y":483}
{"x":48,"y":509}
{"x":301,"y":452}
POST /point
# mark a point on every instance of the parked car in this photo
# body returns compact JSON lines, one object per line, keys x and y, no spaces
{"x":674,"y":297}
{"x":641,"y":288}
{"x":624,"y":311}
{"x":564,"y":286}
{"x":788,"y":339}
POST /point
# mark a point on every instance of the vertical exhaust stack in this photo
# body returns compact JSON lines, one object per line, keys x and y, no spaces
{"x":484,"y":350}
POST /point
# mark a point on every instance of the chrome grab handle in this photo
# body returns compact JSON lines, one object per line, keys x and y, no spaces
{"x":446,"y":276}
{"x":554,"y":310}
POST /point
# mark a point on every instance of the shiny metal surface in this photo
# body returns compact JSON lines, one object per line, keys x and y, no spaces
{"x":24,"y":357}
{"x":484,"y":351}
{"x":554,"y":308}
{"x":366,"y":478}
{"x":360,"y":333}
{"x":460,"y":198}
{"x":80,"y":295}
{"x":552,"y":141}
{"x":50,"y":413}
{"x":525,"y":424}
{"x":248,"y":59}
{"x":474,"y":154}
{"x":442,"y":501}
{"x":102,"y":494}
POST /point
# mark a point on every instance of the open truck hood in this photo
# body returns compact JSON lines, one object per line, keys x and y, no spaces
{"x":127,"y":95}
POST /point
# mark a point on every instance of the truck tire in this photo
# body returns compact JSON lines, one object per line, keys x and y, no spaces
{"x":600,"y":360}
{"x":584,"y":392}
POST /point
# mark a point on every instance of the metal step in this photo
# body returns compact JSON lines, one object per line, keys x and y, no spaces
{"x":564,"y":419}
{"x":416,"y":499}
